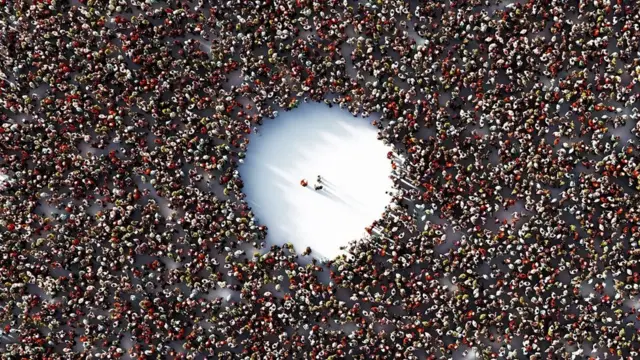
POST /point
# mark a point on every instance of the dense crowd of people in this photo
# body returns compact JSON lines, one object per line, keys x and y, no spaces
{"x":514,"y":226}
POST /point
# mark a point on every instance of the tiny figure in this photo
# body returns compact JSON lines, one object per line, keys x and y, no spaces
{"x":319,"y":179}
{"x":304,"y":182}
{"x":317,"y":187}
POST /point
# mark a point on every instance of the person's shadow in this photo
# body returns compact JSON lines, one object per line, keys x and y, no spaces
{"x":332,"y":191}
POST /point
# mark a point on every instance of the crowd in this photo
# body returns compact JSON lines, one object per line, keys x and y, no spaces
{"x":514,"y":227}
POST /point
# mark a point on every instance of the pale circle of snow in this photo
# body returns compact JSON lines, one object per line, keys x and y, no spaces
{"x":302,"y":144}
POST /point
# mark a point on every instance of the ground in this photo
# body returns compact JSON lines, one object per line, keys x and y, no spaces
{"x":302,"y":144}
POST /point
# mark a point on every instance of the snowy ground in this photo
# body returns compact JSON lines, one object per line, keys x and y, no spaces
{"x":302,"y":144}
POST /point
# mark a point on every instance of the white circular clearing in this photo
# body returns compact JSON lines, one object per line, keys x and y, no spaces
{"x":302,"y":144}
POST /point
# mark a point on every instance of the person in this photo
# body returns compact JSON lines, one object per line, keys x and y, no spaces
{"x":318,"y":187}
